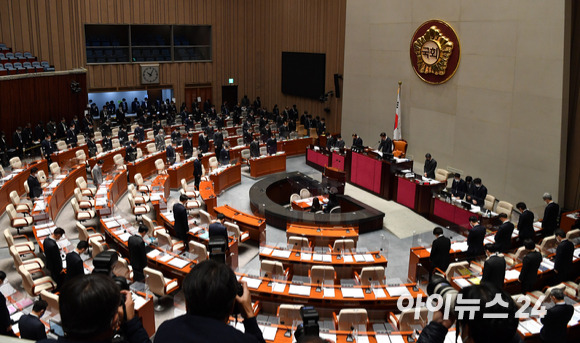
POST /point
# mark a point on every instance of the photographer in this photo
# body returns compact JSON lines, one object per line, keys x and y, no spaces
{"x":210,"y":291}
{"x":94,"y":309}
{"x":483,"y":328}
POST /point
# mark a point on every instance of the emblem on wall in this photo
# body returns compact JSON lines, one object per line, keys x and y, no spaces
{"x":435,"y":52}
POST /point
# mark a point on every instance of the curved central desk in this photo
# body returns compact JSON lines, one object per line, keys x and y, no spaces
{"x":269,"y":196}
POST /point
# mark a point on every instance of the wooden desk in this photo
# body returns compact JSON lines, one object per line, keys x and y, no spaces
{"x":16,"y":183}
{"x":320,"y":235}
{"x":416,"y":196}
{"x":208,"y":196}
{"x":256,"y":226}
{"x":65,"y":189}
{"x":338,"y":160}
{"x":456,"y":217}
{"x":226,"y":178}
{"x":318,"y":158}
{"x":67,"y":158}
{"x":108,"y":162}
{"x":294,"y":146}
{"x":568,"y":219}
{"x":267,"y":165}
{"x":145,"y":166}
{"x":115,"y":185}
{"x":306,"y":204}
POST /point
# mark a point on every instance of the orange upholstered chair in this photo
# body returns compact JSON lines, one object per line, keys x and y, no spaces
{"x":400,"y":149}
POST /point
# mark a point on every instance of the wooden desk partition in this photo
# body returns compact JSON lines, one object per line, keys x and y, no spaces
{"x":256,"y":226}
{"x":208,"y":196}
{"x":267,"y":165}
{"x":16,"y":183}
{"x":322,"y":236}
{"x":226,"y":178}
{"x":62,"y":193}
{"x":145,"y":166}
{"x":415,"y":195}
{"x":295,"y":146}
{"x":318,"y":159}
{"x":68,"y":157}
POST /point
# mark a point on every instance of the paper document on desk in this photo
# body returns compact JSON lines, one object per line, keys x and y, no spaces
{"x":369,"y":258}
{"x":153,"y":253}
{"x":195,"y":230}
{"x":512,"y":274}
{"x":398,"y":291}
{"x":139,"y":301}
{"x":530,"y":326}
{"x":547,"y":263}
{"x":42,"y":233}
{"x":101,"y":192}
{"x":352,"y":293}
{"x":575,"y":318}
{"x":305,"y":256}
{"x":125,"y":236}
{"x":278,"y":287}
{"x":156,"y":196}
{"x":101,"y":202}
{"x":165,"y":258}
{"x":178,"y":263}
{"x":461,"y":246}
{"x":63,"y":243}
{"x":299,"y":290}
{"x":382,"y":338}
{"x":7,"y":290}
{"x":317,"y":257}
{"x":265,"y":251}
{"x":54,"y":184}
{"x":328,"y":292}
{"x":462,"y":283}
{"x":252,"y":283}
{"x":577,"y":252}
{"x":359,"y":258}
{"x":379,"y":293}
{"x":39,"y":206}
{"x":396,"y":339}
{"x":362,"y":339}
{"x":281,"y":253}
{"x":112,"y":224}
{"x":268,"y":332}
{"x":327,"y":258}
{"x":348,"y":259}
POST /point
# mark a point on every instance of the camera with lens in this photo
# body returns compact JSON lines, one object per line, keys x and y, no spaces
{"x":309,"y":326}
{"x":439,"y":285}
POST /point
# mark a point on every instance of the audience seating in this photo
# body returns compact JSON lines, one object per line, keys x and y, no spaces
{"x":159,"y":285}
{"x":151,"y":148}
{"x":198,"y":249}
{"x":83,"y":203}
{"x":139,"y":199}
{"x":21,"y":207}
{"x":348,"y":318}
{"x":234,"y":230}
{"x":305,"y":193}
{"x":42,"y":178}
{"x":163,"y":238}
{"x":371,"y":274}
{"x":204,"y":218}
{"x":138,"y":209}
{"x":322,"y":274}
{"x":54,"y":169}
{"x":61,"y":145}
{"x":82,"y":214}
{"x":24,"y":246}
{"x":97,"y":246}
{"x":52,"y":300}
{"x":115,"y":143}
{"x":504,"y":207}
{"x":442,"y":175}
{"x":34,"y":286}
{"x":119,"y":162}
{"x":190,"y":192}
{"x":84,"y":234}
{"x":16,"y":221}
{"x":213,"y":163}
{"x":273,"y":269}
{"x":406,"y":321}
{"x":341,"y":245}
{"x":98,"y":136}
{"x":141,"y":186}
{"x":15,"y":163}
{"x":81,"y":156}
{"x":85,"y":189}
{"x":298,"y":242}
{"x":31,"y":264}
{"x":81,"y":140}
{"x":160,"y":166}
{"x":489,"y":202}
{"x":289,"y":314}
{"x":149,"y":136}
{"x":263,"y":151}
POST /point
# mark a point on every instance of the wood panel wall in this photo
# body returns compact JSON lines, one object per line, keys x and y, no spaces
{"x":248,"y":38}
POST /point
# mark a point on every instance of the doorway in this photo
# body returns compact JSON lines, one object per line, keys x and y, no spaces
{"x":230,"y":94}
{"x":199,"y":94}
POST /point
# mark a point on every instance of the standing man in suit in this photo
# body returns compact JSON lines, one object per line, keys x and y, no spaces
{"x":564,"y":256}
{"x":385,"y":144}
{"x":494,"y":267}
{"x":107,"y":142}
{"x":475,"y":238}
{"x":218,"y":141}
{"x":339,"y":142}
{"x":440,"y":250}
{"x":503,"y":236}
{"x":530,"y":265}
{"x":556,"y":319}
{"x":61,"y":129}
{"x":74,"y":262}
{"x":30,"y":326}
{"x":47,"y":148}
{"x":203,"y":143}
{"x":5,"y":321}
{"x":458,"y":187}
{"x":170,"y":153}
{"x":181,"y":225}
{"x":271,"y":145}
{"x":255,"y":147}
{"x":160,"y":141}
{"x":18,"y":141}
{"x":551,"y":214}
{"x":188,"y":146}
{"x":479,"y":193}
{"x":140,"y":132}
{"x":218,"y":229}
{"x":52,"y":253}
{"x":225,"y":154}
{"x":34,"y":184}
{"x":97,"y":173}
{"x":197,"y":170}
{"x":430,"y":166}
{"x":469,"y":188}
{"x":91,"y":145}
{"x":135,"y":106}
{"x":138,"y":253}
{"x":131,"y":152}
{"x":526,"y":222}
{"x":357,"y":142}
{"x":123,"y":136}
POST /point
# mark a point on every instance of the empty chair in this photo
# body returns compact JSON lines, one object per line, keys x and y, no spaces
{"x":81,"y":156}
{"x":160,"y":166}
{"x":193,"y":206}
{"x":322,"y":274}
{"x":163,"y":238}
{"x":52,"y":300}
{"x":204,"y":218}
{"x":298,"y":243}
{"x":289,"y":314}
{"x":97,"y":246}
{"x":98,"y":136}
{"x":304,"y":193}
{"x":17,"y":221}
{"x":34,"y":286}
{"x":504,"y":207}
{"x":341,"y":245}
{"x":119,"y":162}
{"x":115,"y":143}
{"x":159,"y":285}
{"x":234,"y":230}
{"x":138,"y":210}
{"x":198,"y":249}
{"x":141,"y":186}
{"x":61,"y":145}
{"x":99,"y":148}
{"x":213,"y":163}
{"x":81,"y":139}
{"x":115,"y":132}
{"x":87,"y":233}
{"x":54,"y":169}
{"x":454,"y":268}
{"x":82,"y":214}
{"x":489,"y":202}
{"x":573,"y":234}
{"x":240,"y":141}
{"x":246,"y":155}
{"x":263,"y":151}
{"x":348,"y":318}
{"x":441,"y":175}
{"x":15,"y":163}
{"x":19,"y":206}
{"x":2,"y":172}
{"x":239,"y":132}
{"x":83,"y":203}
{"x":190,"y":192}
{"x":548,"y":245}
{"x":372,"y":274}
{"x":31,"y":264}
{"x":149,"y":136}
{"x":23,"y":245}
{"x":407,"y":321}
{"x":273,"y":269}
{"x":151,"y":148}
{"x":294,"y":197}
{"x":42,"y":178}
{"x":122,"y":268}
{"x":139,"y":199}
{"x":225,"y":133}
{"x":152,"y":226}
{"x":85,"y":189}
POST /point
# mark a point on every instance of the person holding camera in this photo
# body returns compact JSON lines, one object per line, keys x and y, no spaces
{"x":211,"y":291}
{"x":94,"y":309}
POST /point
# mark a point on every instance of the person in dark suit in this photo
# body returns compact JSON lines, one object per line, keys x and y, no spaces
{"x":34,"y":184}
{"x":47,"y":148}
{"x":339,"y":142}
{"x":211,"y":290}
{"x":170,"y":153}
{"x":564,"y":256}
{"x":158,"y":127}
{"x":39,"y":133}
{"x":52,"y":254}
{"x":140,"y":132}
{"x":107,"y":143}
{"x":218,"y":141}
{"x":357,"y":142}
{"x":203,"y":143}
{"x":176,"y":137}
{"x":555,"y":322}
{"x":135,"y":106}
{"x":255,"y":148}
{"x":225,"y":154}
{"x":494,"y":267}
{"x":120,"y":116}
{"x":123,"y":135}
{"x":188,"y":146}
{"x":218,"y":229}
{"x":475,"y":238}
{"x":525,"y":223}
{"x":131,"y":152}
{"x":181,"y":225}
{"x":332,"y":202}
{"x":469,"y":188}
{"x":91,"y":145}
{"x":18,"y":141}
{"x":74,"y":262}
{"x":458,"y":187}
{"x":430,"y":166}
{"x":321,"y":127}
{"x":138,"y":253}
{"x":503,"y":236}
{"x":479,"y":193}
{"x":106,"y":128}
{"x":71,"y":137}
{"x":271,"y":145}
{"x":197,"y":170}
{"x":530,"y":265}
{"x":385,"y":144}
{"x":61,"y":129}
{"x":5,"y":321}
{"x":440,"y":250}
{"x":30,"y":326}
{"x":551,"y":215}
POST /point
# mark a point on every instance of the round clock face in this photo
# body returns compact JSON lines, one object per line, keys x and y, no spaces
{"x":150,"y":74}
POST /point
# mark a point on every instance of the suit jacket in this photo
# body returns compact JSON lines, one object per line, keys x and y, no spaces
{"x":556,"y":323}
{"x":17,"y":141}
{"x":107,"y":144}
{"x":130,"y":154}
{"x":494,"y":271}
{"x":74,"y":265}
{"x":61,"y":130}
{"x":429,"y":168}
{"x":159,"y":143}
{"x":339,"y":144}
{"x":550,"y":220}
{"x":97,"y":174}
{"x":386,"y":146}
{"x":181,"y":226}
{"x":503,"y":236}
{"x":187,"y":147}
{"x":357,"y":142}
{"x":458,"y":188}
{"x":137,"y":252}
{"x":34,"y":185}
{"x":71,"y":137}
{"x":197,"y":168}
{"x":529,"y":272}
{"x":271,"y":146}
{"x":526,"y":225}
{"x":225,"y":156}
{"x":31,"y":328}
{"x":218,"y":139}
{"x":140,"y":134}
{"x":53,"y":259}
{"x":92,"y":147}
{"x":255,"y":149}
{"x":189,"y":328}
{"x":440,"y":253}
{"x":4,"y":314}
{"x":563,"y":259}
{"x":479,"y":194}
{"x":217,"y":229}
{"x":46,"y":148}
{"x":203,"y":144}
{"x":170,"y":154}
{"x":123,"y":136}
{"x":475,"y":241}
